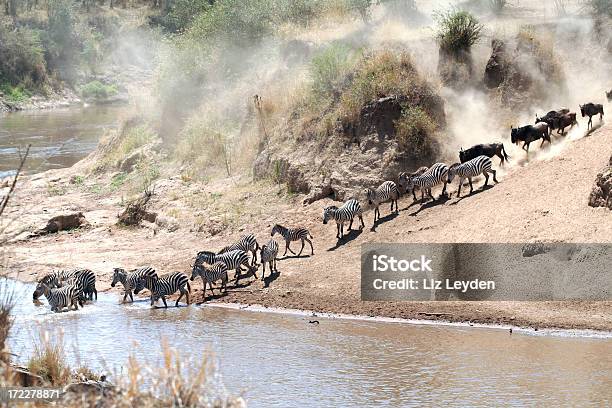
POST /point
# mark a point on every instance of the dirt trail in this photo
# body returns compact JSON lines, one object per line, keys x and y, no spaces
{"x":545,"y":200}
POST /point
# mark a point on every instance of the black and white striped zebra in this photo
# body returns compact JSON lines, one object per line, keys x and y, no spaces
{"x":345,"y":213}
{"x":167,"y":285}
{"x":233,"y":259}
{"x":60,"y":298}
{"x":293,"y":234}
{"x":268,"y":254}
{"x":85,"y":280}
{"x":403,"y":177}
{"x":246,"y":243}
{"x":387,"y":191}
{"x":54,"y":280}
{"x":134,"y":280}
{"x":218,"y":271}
{"x":437,"y":174}
{"x":471,"y":168}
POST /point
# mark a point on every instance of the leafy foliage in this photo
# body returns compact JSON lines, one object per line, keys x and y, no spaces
{"x":457,"y":31}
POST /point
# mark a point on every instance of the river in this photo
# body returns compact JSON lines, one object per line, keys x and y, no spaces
{"x":59,"y":137}
{"x":280,"y":360}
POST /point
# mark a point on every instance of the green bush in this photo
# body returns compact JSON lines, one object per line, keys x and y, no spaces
{"x":457,"y":31}
{"x":414,"y":131}
{"x":21,"y":56}
{"x":97,"y":90}
{"x":329,"y":68}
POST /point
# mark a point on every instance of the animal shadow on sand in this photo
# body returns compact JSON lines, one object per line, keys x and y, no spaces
{"x":439,"y":201}
{"x":270,"y":278}
{"x":476,"y":191}
{"x":352,"y":234}
{"x":382,"y":220}
{"x":594,"y":128}
{"x":291,"y":256}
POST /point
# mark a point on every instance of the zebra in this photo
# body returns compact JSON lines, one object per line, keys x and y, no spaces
{"x":59,"y":298}
{"x":387,"y":191}
{"x":403,"y":178}
{"x":246,"y":243}
{"x":134,"y":280}
{"x":54,"y":280}
{"x":293,"y":234}
{"x":233,"y":259}
{"x":218,"y":271}
{"x":85,"y":280}
{"x":346,"y":213}
{"x":438,"y":173}
{"x":471,"y":168}
{"x":269,"y":251}
{"x":167,"y":285}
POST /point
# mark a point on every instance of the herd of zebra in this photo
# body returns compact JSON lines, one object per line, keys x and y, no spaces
{"x":71,"y":289}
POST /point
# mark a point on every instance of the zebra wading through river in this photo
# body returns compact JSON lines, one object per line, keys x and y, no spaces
{"x":293,"y":234}
{"x":343,"y":214}
{"x":134,"y":280}
{"x":471,"y":168}
{"x":54,"y":280}
{"x":167,"y":285}
{"x":233,"y":259}
{"x":437,"y":174}
{"x":218,"y":271}
{"x":269,"y":251}
{"x":60,"y":298}
{"x":387,"y":191}
{"x":85,"y":280}
{"x":246,"y":243}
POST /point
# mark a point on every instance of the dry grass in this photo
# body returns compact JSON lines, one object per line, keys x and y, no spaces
{"x":48,"y":361}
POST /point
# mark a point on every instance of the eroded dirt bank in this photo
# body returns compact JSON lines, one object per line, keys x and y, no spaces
{"x":545,"y":200}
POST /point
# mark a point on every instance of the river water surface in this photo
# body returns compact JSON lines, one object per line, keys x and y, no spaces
{"x":59,"y":137}
{"x":281,"y":360}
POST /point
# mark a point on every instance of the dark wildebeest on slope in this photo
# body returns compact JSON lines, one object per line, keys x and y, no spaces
{"x":590,"y":110}
{"x":552,"y":118}
{"x":609,"y":95}
{"x":569,"y":119}
{"x":530,"y":133}
{"x":487,"y":149}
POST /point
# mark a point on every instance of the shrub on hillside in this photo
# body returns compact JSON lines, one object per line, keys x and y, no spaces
{"x":414,"y":131}
{"x":21,"y":56}
{"x":457,"y":31}
{"x":97,"y":90}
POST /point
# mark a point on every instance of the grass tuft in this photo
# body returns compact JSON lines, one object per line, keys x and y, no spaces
{"x":457,"y":31}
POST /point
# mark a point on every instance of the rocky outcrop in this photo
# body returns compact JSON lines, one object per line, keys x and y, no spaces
{"x":456,"y":70}
{"x":497,"y":66}
{"x":601,"y":195}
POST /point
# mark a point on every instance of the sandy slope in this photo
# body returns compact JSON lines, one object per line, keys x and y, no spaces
{"x":543,"y":200}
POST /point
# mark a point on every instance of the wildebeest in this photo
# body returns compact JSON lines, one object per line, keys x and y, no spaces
{"x":530,"y":133}
{"x":569,"y":119}
{"x":609,"y":95}
{"x":486,"y":149}
{"x":552,"y":118}
{"x":590,"y":110}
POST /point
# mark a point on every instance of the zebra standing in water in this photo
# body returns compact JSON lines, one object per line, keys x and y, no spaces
{"x":85,"y":280}
{"x":233,"y":259}
{"x":54,"y":280}
{"x":167,"y":285}
{"x":438,"y":173}
{"x":269,"y":251}
{"x":387,"y":191}
{"x":247,"y":243}
{"x":59,"y":298}
{"x":218,"y":271}
{"x":293,"y":234}
{"x":346,"y":213}
{"x":471,"y":168}
{"x":134,"y":280}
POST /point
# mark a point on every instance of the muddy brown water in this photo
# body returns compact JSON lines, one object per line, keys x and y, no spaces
{"x":59,"y":137}
{"x":280,"y":360}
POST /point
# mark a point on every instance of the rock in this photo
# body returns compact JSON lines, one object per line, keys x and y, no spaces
{"x":601,"y":195}
{"x":145,"y":152}
{"x":497,"y":66}
{"x":63,"y":223}
{"x":89,"y":387}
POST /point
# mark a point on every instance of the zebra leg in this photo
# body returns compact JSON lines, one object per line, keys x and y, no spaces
{"x":237,"y":277}
{"x":263,"y":273}
{"x":164,"y":300}
{"x":414,"y":194}
{"x":486,"y":178}
{"x":459,"y":189}
{"x":471,"y":185}
{"x":187,"y":295}
{"x":338,"y":230}
{"x":311,"y":247}
{"x":494,"y":175}
{"x":286,"y":247}
{"x":274,"y":263}
{"x":253,"y":270}
{"x":290,"y":248}
{"x":95,"y":292}
{"x":431,"y":195}
{"x":179,"y":298}
{"x":444,"y":188}
{"x":301,"y":249}
{"x":212,"y":288}
{"x":362,"y":223}
{"x":131,"y":296}
{"x":204,"y":292}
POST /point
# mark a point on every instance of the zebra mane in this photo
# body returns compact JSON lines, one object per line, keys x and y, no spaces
{"x":206,"y":253}
{"x":454,"y":165}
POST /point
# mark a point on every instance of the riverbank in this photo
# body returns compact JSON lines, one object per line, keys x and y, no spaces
{"x":544,"y":201}
{"x":56,"y":99}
